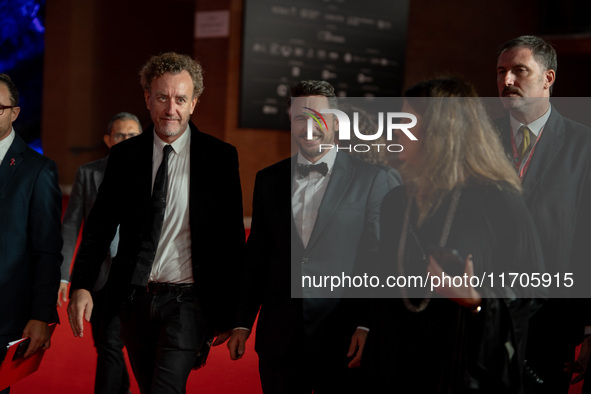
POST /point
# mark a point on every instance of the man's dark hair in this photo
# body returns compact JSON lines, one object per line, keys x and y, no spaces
{"x":174,"y":63}
{"x":5,"y":79}
{"x":123,"y":116}
{"x":542,"y":51}
{"x":314,"y":88}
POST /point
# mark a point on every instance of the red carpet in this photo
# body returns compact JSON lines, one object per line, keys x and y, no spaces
{"x":68,"y":367}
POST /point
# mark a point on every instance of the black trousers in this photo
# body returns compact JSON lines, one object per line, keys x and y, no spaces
{"x":111,"y":375}
{"x":551,"y":342}
{"x":316,"y":363}
{"x":163,"y":332}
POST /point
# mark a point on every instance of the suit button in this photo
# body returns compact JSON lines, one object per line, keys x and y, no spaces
{"x":304,"y":260}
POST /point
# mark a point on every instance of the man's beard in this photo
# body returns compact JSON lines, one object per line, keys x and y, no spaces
{"x":172,"y":131}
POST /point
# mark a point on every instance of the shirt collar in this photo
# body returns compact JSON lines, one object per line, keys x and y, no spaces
{"x":5,"y":144}
{"x":177,"y":146}
{"x":328,"y":158}
{"x":535,"y":127}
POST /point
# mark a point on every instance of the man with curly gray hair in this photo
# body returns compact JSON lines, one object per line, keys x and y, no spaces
{"x":173,"y":63}
{"x":181,"y":233}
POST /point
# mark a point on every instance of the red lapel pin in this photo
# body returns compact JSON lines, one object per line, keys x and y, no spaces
{"x":12,"y":161}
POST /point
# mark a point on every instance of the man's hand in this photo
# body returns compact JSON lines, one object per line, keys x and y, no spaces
{"x":40,"y":336}
{"x":62,"y":294}
{"x":356,"y":348}
{"x":237,"y":343}
{"x":80,"y":307}
{"x":221,"y":337}
{"x":580,"y":366}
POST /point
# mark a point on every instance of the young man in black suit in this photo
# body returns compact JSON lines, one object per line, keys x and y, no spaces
{"x":175,"y":194}
{"x":552,"y":155}
{"x":30,"y":236}
{"x":327,"y":223}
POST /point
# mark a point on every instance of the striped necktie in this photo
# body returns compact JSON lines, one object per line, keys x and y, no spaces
{"x":526,"y":143}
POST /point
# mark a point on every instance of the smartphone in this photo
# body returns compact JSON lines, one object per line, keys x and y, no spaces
{"x":450,"y":260}
{"x":21,"y":349}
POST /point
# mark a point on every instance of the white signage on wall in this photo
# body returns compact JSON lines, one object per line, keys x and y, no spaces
{"x":212,"y":24}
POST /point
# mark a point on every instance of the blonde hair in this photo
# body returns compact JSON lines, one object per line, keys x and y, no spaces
{"x":459,"y":145}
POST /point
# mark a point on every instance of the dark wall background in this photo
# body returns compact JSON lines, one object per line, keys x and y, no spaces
{"x":22,"y":28}
{"x":94,"y":49}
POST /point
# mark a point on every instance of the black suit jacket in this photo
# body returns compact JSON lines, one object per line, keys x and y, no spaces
{"x":30,"y":239}
{"x":345,"y":232}
{"x":557,"y":191}
{"x":88,"y":179}
{"x":217,"y":230}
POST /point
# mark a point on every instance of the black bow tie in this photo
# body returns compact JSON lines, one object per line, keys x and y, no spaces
{"x":304,"y":169}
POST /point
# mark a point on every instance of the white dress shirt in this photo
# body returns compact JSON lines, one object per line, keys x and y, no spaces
{"x":308,"y":192}
{"x":173,"y":261}
{"x":5,"y":144}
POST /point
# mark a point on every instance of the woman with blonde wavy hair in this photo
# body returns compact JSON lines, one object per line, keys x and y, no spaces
{"x":458,"y":216}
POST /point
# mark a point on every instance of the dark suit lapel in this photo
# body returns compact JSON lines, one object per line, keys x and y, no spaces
{"x":505,"y":133}
{"x":198,"y":162}
{"x":144,"y":165}
{"x":340,"y":179}
{"x":296,"y":238}
{"x":98,"y":173}
{"x":13,"y":159}
{"x":545,"y":152}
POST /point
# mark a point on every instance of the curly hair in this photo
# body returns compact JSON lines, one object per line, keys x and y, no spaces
{"x":174,"y":63}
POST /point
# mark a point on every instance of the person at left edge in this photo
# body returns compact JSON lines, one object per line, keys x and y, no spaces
{"x":30,"y":236}
{"x":172,"y":308}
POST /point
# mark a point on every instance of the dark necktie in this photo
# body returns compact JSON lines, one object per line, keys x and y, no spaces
{"x":152,"y":236}
{"x":304,"y":169}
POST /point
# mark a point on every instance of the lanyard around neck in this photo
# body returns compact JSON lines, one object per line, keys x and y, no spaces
{"x":521,"y":170}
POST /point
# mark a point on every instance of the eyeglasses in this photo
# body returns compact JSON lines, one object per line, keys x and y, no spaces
{"x":122,"y":136}
{"x":3,"y":107}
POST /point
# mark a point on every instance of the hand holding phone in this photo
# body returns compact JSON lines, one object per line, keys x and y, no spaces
{"x":21,"y":349}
